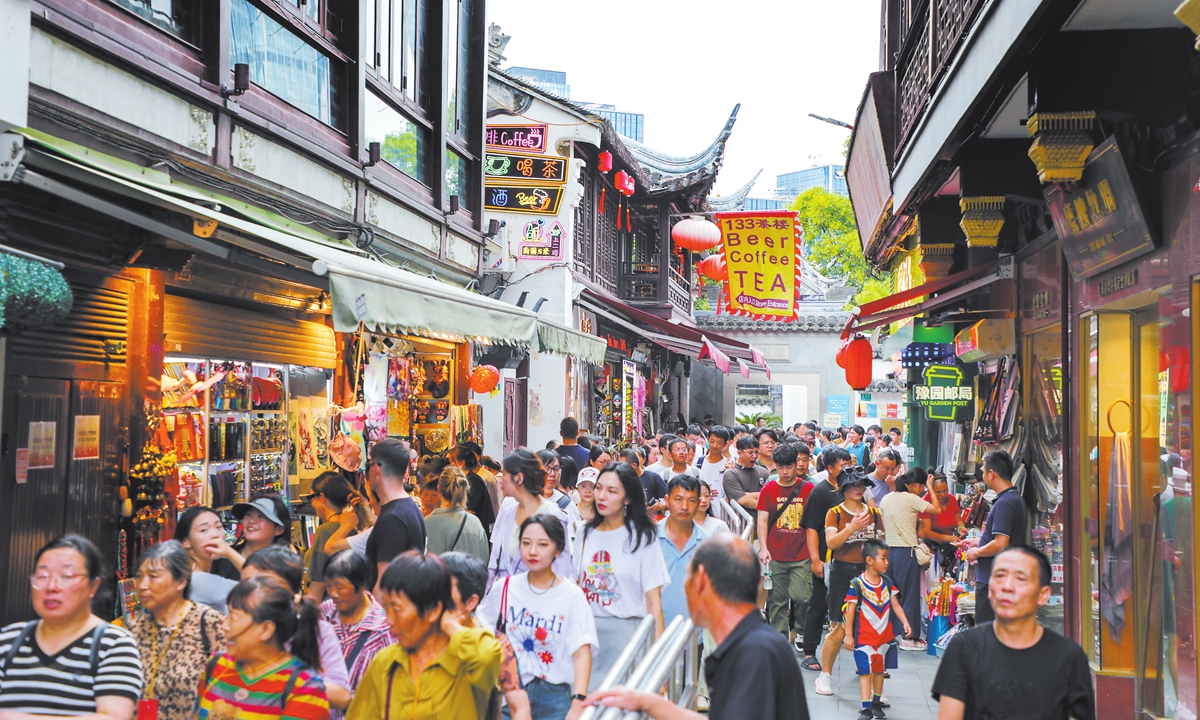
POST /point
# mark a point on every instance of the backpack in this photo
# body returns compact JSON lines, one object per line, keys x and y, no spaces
{"x":93,"y":654}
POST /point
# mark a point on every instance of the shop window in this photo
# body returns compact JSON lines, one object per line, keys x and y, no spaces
{"x":1090,"y":485}
{"x":286,"y":64}
{"x":1045,"y":363}
{"x":457,"y":176}
{"x":458,"y":68}
{"x":180,"y":18}
{"x":396,"y":47}
{"x":402,"y":141}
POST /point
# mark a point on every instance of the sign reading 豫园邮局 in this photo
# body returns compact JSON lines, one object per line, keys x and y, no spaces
{"x":762,"y":253}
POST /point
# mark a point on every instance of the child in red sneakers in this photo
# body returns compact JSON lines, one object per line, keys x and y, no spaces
{"x":871,"y":599}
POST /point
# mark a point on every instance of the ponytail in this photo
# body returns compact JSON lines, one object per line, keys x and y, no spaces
{"x":306,"y":642}
{"x":286,"y":567}
{"x":296,"y":618}
{"x":452,"y":484}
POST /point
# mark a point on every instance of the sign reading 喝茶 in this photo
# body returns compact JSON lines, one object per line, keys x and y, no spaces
{"x":762,"y":252}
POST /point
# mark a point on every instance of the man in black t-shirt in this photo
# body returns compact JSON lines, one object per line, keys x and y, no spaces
{"x":821,"y":500}
{"x":400,"y":526}
{"x":1013,"y":667}
{"x":1006,"y":525}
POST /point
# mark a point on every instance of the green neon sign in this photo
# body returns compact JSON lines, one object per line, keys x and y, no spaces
{"x":943,"y":395}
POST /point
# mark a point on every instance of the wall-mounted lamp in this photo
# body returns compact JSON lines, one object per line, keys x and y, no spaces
{"x":454,"y":204}
{"x":241,"y":81}
{"x":493,"y":228}
{"x":374,"y":154}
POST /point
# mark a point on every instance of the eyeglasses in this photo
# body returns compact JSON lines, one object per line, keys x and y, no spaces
{"x":554,"y":469}
{"x":41,"y":580}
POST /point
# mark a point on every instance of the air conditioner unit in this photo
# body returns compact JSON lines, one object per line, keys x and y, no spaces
{"x":496,"y":257}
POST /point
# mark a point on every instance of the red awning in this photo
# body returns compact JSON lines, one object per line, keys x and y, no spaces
{"x":952,"y":287}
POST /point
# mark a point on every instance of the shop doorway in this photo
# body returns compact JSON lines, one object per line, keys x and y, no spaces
{"x":1137,"y":497}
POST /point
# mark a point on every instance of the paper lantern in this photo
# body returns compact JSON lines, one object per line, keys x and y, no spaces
{"x":484,"y":378}
{"x":624,"y":183}
{"x":604,"y":162}
{"x":858,"y":363}
{"x":696,"y":234}
{"x":713,"y":267}
{"x":840,"y":358}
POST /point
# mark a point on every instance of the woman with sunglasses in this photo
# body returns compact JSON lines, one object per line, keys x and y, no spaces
{"x":267,"y":668}
{"x":330,"y":497}
{"x":175,"y":636}
{"x":69,"y":661}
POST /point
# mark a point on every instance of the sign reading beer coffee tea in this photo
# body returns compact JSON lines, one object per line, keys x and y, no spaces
{"x":521,"y":168}
{"x":762,"y":253}
{"x":534,"y":199}
{"x":530,"y":138}
{"x":1101,"y":221}
{"x":944,"y":395}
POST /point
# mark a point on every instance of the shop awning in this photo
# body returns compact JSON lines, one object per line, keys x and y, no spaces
{"x":672,"y":336}
{"x":952,"y":287}
{"x":382,"y":297}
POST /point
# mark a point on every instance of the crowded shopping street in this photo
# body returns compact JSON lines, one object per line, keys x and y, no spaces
{"x":474,"y":360}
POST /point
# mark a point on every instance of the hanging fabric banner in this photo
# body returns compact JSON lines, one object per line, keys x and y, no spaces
{"x":762,"y":253}
{"x":709,"y":350}
{"x":743,"y":368}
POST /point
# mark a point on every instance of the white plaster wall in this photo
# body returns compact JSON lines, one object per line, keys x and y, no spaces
{"x":462,"y":252}
{"x":547,"y":397}
{"x":271,"y":161}
{"x":14,"y":71}
{"x":71,"y":72}
{"x":402,"y":224}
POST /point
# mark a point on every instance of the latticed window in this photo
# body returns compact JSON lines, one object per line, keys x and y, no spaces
{"x":585,"y":240}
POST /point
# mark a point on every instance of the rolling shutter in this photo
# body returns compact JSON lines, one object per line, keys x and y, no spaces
{"x":202,"y":329}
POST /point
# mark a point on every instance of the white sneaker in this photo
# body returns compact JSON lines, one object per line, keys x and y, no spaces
{"x":824,"y":684}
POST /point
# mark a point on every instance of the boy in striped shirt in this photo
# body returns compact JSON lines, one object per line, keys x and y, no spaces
{"x":871,"y":599}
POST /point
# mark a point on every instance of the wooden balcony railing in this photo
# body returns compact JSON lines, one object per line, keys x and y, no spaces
{"x":932,"y":32}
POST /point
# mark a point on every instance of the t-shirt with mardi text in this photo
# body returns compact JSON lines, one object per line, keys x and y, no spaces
{"x":614,"y":576}
{"x":545,"y":628}
{"x":787,"y":540}
{"x":851,"y":550}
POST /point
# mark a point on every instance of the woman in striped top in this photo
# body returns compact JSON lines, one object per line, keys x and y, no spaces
{"x":257,"y":678}
{"x":69,"y":662}
{"x":359,"y":621}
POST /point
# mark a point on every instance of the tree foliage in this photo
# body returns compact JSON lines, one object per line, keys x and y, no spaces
{"x":831,"y":243}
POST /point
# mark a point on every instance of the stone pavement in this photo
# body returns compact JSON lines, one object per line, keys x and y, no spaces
{"x":907,"y":689}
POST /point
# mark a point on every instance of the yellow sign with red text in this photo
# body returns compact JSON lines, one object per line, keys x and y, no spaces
{"x":762,"y":253}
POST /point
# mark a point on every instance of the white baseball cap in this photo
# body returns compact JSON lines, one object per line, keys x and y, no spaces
{"x":588,"y":475}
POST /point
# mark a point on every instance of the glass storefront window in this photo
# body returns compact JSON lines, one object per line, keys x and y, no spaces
{"x":1089,"y":327}
{"x":456,"y":176}
{"x":1045,"y":359}
{"x":402,"y":142}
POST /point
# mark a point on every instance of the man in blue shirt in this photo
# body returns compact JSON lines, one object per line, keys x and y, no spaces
{"x":1007,"y":523}
{"x":679,"y":536}
{"x":855,"y":445}
{"x":569,"y":430}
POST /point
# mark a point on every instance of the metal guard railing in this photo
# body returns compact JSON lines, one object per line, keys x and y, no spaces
{"x":671,"y":668}
{"x":738,"y":518}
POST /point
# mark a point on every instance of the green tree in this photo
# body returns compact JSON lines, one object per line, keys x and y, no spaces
{"x":831,"y":243}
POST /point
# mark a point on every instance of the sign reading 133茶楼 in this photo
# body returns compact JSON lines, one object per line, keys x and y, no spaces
{"x":944,"y":395}
{"x":762,"y":254}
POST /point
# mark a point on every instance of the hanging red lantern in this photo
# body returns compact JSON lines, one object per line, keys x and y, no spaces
{"x":484,"y":378}
{"x":630,"y":186}
{"x":859,"y":357}
{"x":604,"y":162}
{"x":695,"y":234}
{"x":1164,"y":361}
{"x":620,"y":181}
{"x":840,"y":358}
{"x":713,"y":267}
{"x":1181,"y":369}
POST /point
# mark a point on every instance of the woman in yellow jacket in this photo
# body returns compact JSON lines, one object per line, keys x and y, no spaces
{"x":437,"y":668}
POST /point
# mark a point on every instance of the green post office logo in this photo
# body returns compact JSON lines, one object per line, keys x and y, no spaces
{"x":943,"y":395}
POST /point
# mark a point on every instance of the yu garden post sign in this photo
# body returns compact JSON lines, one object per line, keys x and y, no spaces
{"x":944,"y":396}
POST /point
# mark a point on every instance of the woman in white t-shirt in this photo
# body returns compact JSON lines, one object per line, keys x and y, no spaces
{"x":901,"y":512}
{"x":619,"y":565}
{"x":546,"y":618}
{"x":522,"y":478}
{"x":712,"y":524}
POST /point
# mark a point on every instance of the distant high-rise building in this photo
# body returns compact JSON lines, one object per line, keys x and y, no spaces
{"x":551,"y":81}
{"x":830,"y":177}
{"x":628,"y":124}
{"x":753,"y":203}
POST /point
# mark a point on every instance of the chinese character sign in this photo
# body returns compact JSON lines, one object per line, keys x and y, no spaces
{"x":762,"y":252}
{"x":542,"y":240}
{"x":943,"y":395}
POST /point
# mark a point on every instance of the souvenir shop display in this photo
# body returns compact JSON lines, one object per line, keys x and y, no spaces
{"x":466,"y":424}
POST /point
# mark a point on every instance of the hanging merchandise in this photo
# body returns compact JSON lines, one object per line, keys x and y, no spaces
{"x":150,"y":481}
{"x":999,"y":414}
{"x":1116,"y":578}
{"x":466,"y":424}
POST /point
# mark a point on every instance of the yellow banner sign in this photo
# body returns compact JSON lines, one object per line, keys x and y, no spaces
{"x":762,"y":252}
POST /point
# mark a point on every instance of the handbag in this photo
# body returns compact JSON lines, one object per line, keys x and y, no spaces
{"x":923,"y":554}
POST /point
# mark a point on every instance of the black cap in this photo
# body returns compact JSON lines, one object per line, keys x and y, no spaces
{"x":856,"y":476}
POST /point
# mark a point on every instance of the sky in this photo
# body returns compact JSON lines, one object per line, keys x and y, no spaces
{"x":686,"y":64}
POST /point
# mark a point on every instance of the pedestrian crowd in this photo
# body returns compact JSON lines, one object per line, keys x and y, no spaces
{"x":459,"y":587}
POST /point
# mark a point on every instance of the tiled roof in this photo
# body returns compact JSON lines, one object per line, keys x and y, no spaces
{"x":735,"y":200}
{"x":886,"y":386}
{"x":807,"y":322}
{"x":668,"y":173}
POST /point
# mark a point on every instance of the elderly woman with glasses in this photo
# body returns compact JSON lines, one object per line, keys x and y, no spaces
{"x":69,"y":661}
{"x":175,"y":636}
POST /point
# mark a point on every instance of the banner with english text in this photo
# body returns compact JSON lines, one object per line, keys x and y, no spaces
{"x":762,"y":253}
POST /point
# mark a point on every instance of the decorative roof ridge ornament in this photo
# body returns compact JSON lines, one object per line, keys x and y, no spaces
{"x":1061,"y":144}
{"x":735,"y":200}
{"x":674,"y":165}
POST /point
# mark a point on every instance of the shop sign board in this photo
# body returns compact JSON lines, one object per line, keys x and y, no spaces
{"x":541,"y":240}
{"x":505,"y":167}
{"x":762,"y":252}
{"x":526,"y":137}
{"x":837,"y":405}
{"x":944,"y":396}
{"x":1101,"y":221}
{"x":534,"y":199}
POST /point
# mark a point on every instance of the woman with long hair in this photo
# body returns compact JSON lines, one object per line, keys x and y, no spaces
{"x":68,"y":661}
{"x":556,"y":637}
{"x":599,"y":457}
{"x":216,"y":566}
{"x":175,"y":636}
{"x":321,"y":649}
{"x":479,"y":502}
{"x":267,"y":668}
{"x":330,"y":497}
{"x":619,"y":565}
{"x":521,"y":482}
{"x":712,"y":524}
{"x":450,"y":527}
{"x":901,"y":512}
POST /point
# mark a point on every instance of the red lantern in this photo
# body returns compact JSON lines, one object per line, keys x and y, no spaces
{"x":1164,"y":361}
{"x":1181,"y":369}
{"x":840,"y":358}
{"x":621,"y":181}
{"x":484,"y":378}
{"x":630,"y":186}
{"x":713,"y":267}
{"x":604,"y":162}
{"x":858,"y":363}
{"x":696,"y":234}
